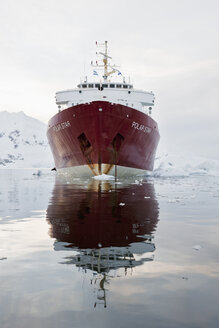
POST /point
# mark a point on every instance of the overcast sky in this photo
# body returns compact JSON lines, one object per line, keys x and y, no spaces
{"x":169,"y":47}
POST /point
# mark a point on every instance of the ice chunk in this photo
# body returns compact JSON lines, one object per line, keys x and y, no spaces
{"x":104,"y":177}
{"x":197,"y":247}
{"x":38,"y":173}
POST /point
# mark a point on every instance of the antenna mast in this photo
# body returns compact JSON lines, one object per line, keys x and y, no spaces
{"x":105,"y":61}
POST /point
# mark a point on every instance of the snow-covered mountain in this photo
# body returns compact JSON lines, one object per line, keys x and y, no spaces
{"x":23,"y":142}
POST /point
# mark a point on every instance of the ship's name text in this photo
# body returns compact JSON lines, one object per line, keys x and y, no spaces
{"x":61,"y":126}
{"x":141,"y":127}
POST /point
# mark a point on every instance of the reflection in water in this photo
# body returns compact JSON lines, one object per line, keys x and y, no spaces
{"x":105,"y":226}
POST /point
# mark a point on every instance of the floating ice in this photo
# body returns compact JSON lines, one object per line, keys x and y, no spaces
{"x":38,"y":173}
{"x":104,"y":177}
{"x":173,"y":200}
{"x":197,"y":247}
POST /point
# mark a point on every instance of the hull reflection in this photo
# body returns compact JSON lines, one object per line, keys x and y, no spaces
{"x":105,"y":226}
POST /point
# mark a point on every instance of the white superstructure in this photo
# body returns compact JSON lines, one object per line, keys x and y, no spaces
{"x":105,"y":90}
{"x":119,"y":93}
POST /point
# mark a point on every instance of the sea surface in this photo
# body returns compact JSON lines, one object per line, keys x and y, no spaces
{"x":142,"y":252}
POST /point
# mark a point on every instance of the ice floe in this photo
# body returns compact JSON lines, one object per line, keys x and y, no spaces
{"x":197,"y":247}
{"x":104,"y":177}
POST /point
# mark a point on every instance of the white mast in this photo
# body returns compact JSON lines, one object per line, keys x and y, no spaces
{"x":105,"y":61}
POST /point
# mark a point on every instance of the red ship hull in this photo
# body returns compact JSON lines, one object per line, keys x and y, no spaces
{"x":100,"y":135}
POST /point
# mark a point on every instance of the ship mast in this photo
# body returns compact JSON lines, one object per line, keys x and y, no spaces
{"x":105,"y":61}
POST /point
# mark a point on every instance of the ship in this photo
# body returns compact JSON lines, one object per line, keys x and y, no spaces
{"x":103,"y":125}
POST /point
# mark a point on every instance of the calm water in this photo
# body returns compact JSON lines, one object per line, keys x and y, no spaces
{"x":98,"y":254}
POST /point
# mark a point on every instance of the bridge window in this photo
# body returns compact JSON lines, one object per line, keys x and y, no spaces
{"x":84,"y":85}
{"x":105,"y":85}
{"x":118,"y":85}
{"x":90,"y":85}
{"x":125,"y":86}
{"x":112,"y":85}
{"x":97,"y":85}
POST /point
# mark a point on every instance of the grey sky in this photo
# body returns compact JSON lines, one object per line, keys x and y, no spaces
{"x":170,"y":47}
